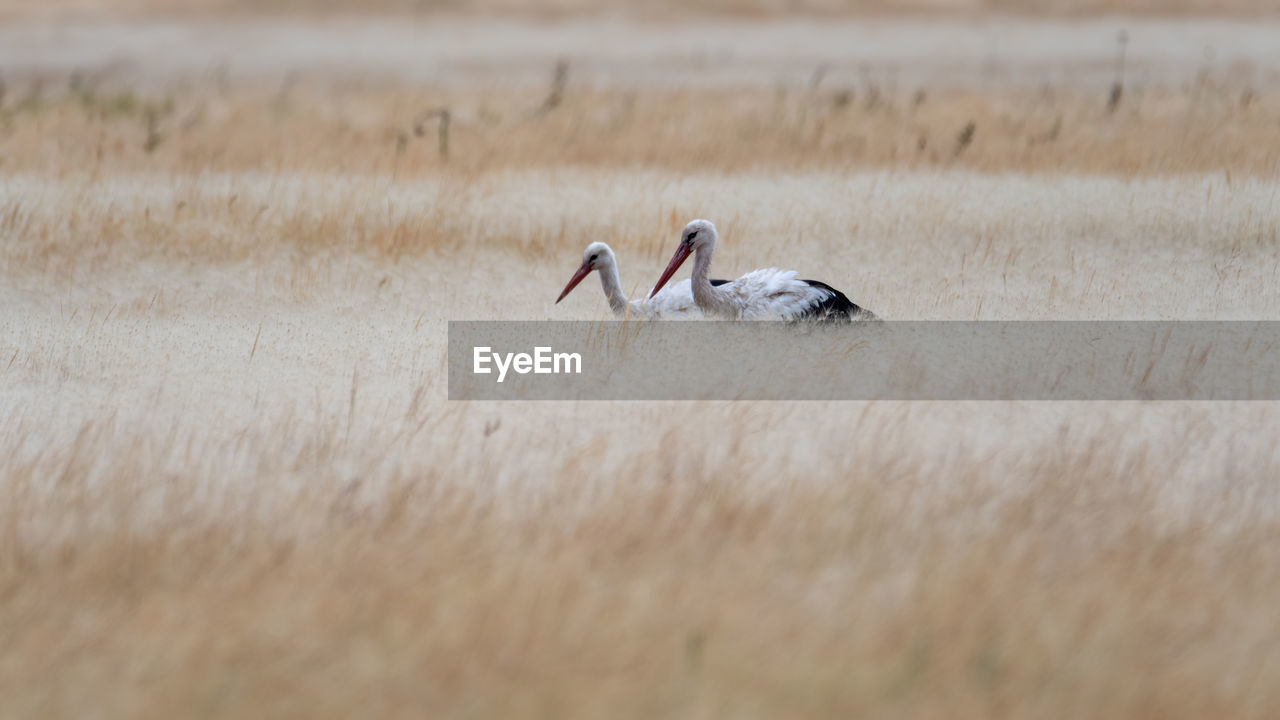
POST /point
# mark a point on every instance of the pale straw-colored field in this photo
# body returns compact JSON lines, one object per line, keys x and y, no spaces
{"x":231,"y":484}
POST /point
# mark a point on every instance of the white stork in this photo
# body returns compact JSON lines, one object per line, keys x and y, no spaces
{"x":766,"y":294}
{"x":673,"y":302}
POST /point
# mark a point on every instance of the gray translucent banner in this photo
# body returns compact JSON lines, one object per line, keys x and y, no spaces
{"x":705,"y":360}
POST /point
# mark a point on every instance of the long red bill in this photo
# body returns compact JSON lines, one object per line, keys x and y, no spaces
{"x":582,"y":272}
{"x":682,"y":254}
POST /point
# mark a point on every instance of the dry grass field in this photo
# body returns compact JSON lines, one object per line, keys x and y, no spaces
{"x":231,"y":484}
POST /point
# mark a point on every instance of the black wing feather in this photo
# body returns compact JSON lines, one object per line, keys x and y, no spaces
{"x":836,"y":308}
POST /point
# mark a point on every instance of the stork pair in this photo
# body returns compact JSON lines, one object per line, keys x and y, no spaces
{"x":766,"y":294}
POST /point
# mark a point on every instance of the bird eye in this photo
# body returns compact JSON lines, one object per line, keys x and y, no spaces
{"x":693,"y":234}
{"x":593,"y":258}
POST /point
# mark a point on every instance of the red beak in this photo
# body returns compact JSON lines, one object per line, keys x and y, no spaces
{"x":682,"y":253}
{"x":583,"y":271}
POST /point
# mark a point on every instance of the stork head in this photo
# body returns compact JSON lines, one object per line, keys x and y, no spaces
{"x":597,"y":256}
{"x":696,"y":235}
{"x":699,"y":233}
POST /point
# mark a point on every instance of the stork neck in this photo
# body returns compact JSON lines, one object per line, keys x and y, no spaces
{"x":704,"y":294}
{"x":612,"y":286}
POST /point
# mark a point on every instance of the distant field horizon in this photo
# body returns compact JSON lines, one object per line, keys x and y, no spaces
{"x":662,"y":9}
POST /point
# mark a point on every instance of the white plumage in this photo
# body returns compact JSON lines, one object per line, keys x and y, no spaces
{"x":673,"y":302}
{"x":766,"y":294}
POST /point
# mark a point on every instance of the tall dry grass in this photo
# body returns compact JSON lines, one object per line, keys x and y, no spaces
{"x":1213,"y":125}
{"x":664,"y":585}
{"x":232,"y":485}
{"x":910,"y":245}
